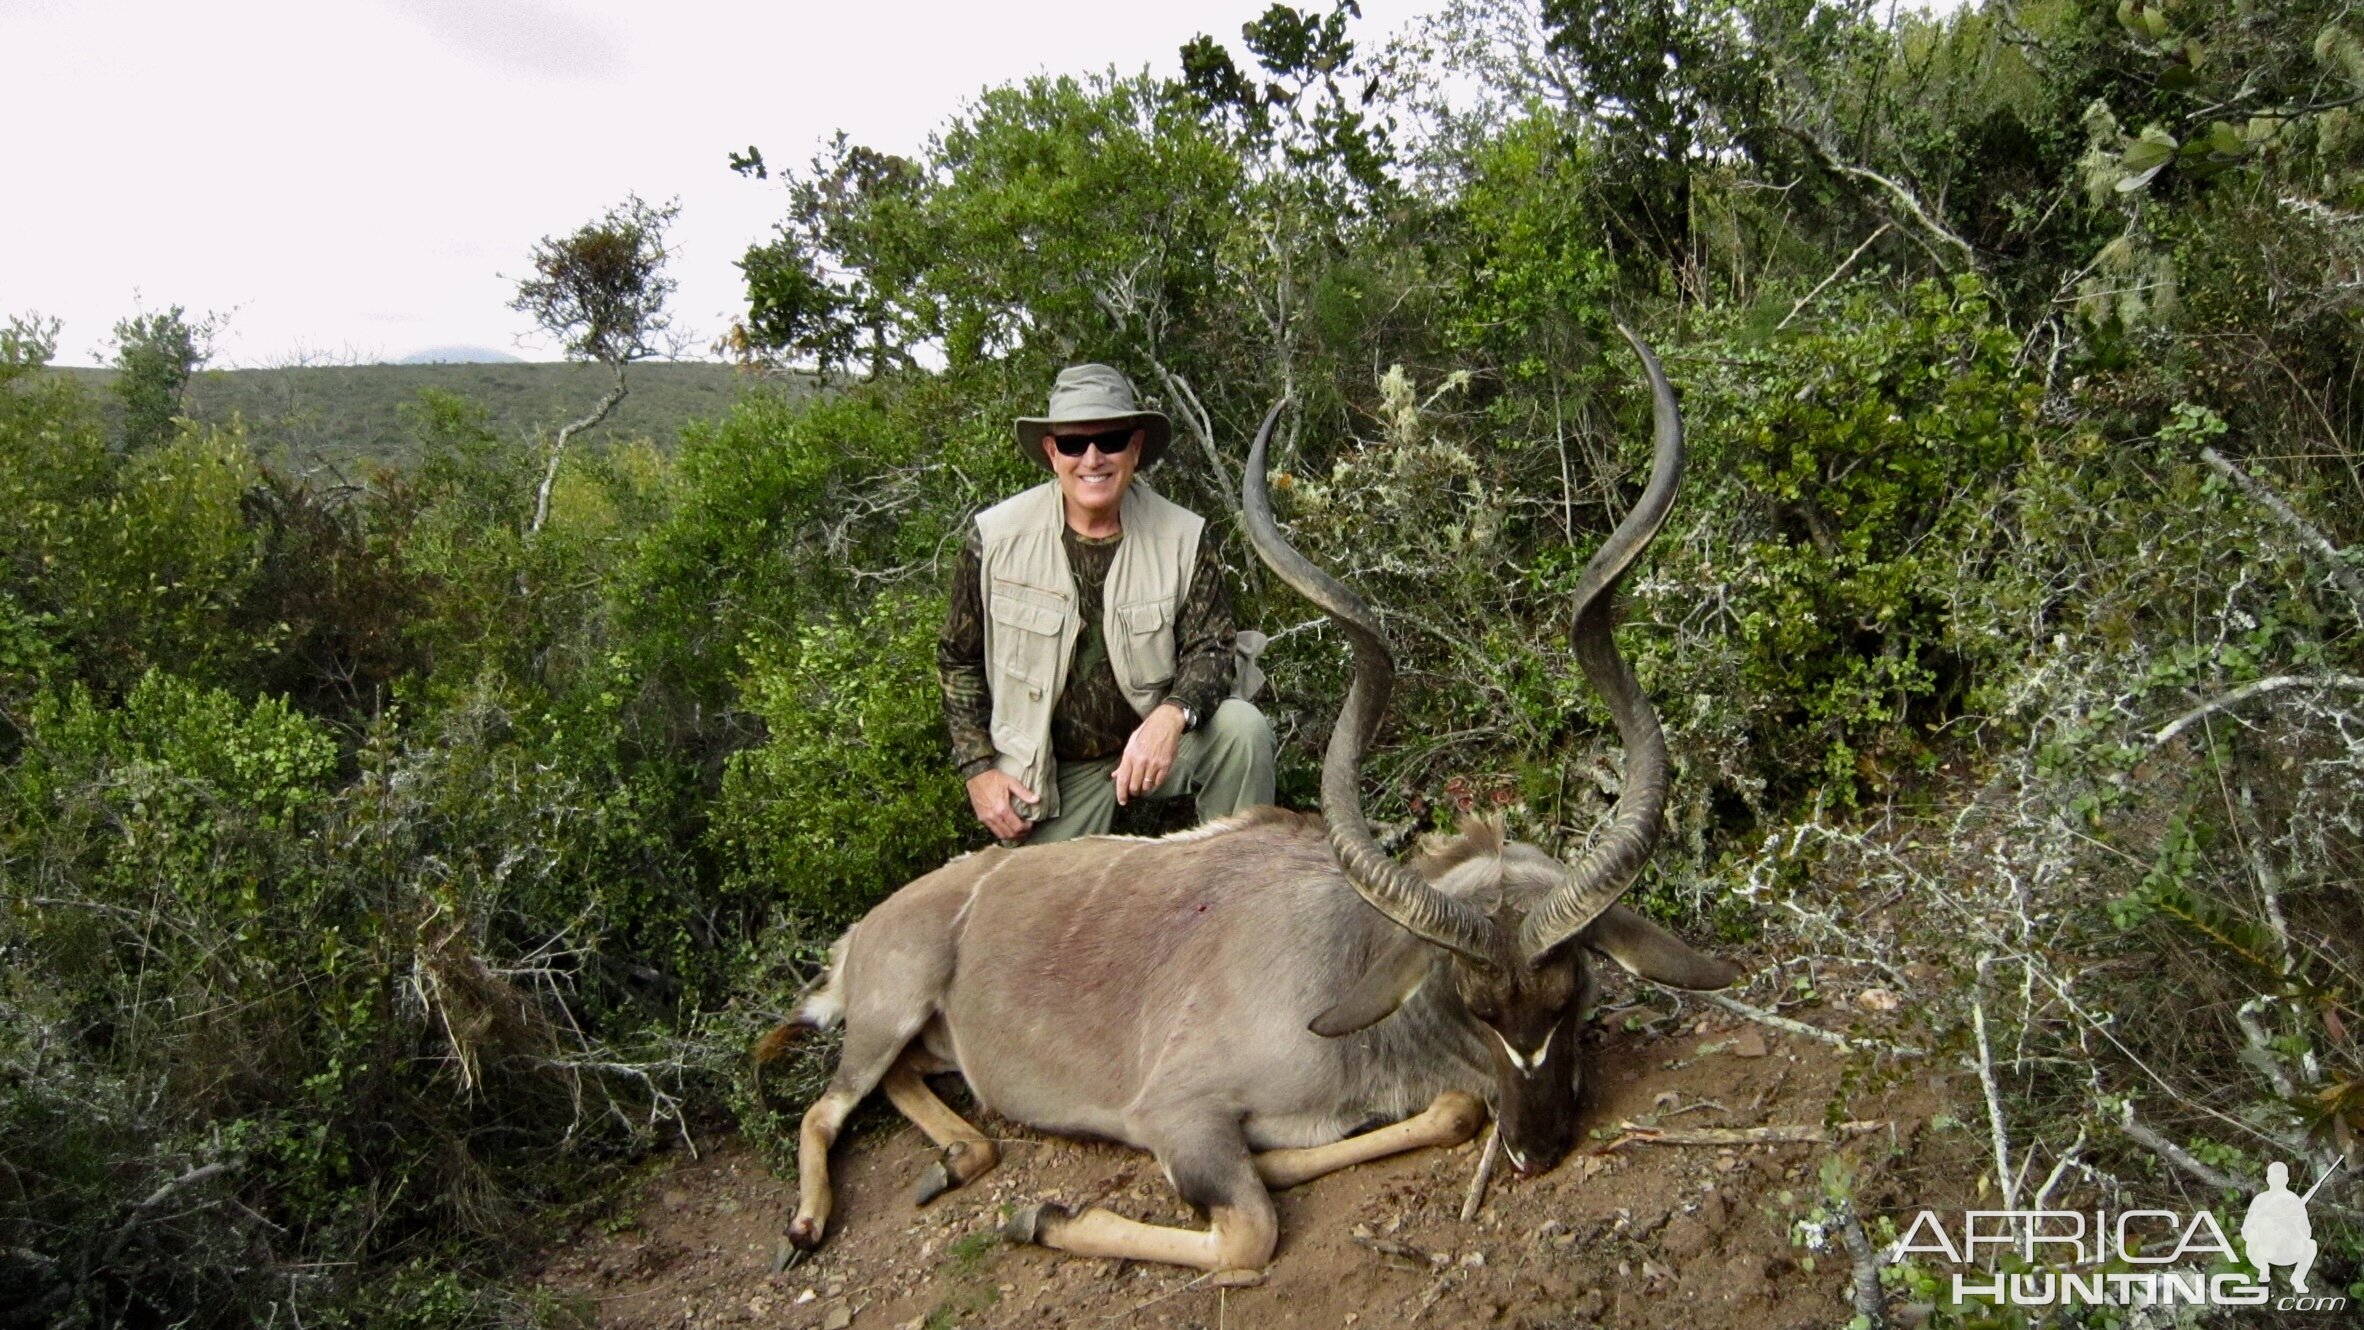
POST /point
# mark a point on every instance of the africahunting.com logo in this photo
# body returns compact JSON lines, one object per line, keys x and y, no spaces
{"x":2133,"y":1258}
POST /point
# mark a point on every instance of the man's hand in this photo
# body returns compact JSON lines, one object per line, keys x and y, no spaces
{"x":1149,"y":754}
{"x":990,"y":792}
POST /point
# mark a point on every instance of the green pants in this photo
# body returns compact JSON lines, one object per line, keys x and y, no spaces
{"x":1226,"y":762}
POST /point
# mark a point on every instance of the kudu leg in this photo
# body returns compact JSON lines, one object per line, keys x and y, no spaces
{"x":967,"y":1154}
{"x":1210,"y":1167}
{"x":1452,"y":1118}
{"x":865,"y":1061}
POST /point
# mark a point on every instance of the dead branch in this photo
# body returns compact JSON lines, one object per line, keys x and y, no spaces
{"x":1871,"y":1308}
{"x":2308,"y":534}
{"x":2279,"y":683}
{"x":1483,"y":1176}
{"x":1986,"y":1080}
{"x":1815,"y":1032}
{"x":558,"y":449}
{"x":2173,"y":1153}
{"x":1835,"y":274}
{"x":1903,"y":197}
{"x":1800,"y":1133}
{"x":139,"y":1213}
{"x":1200,"y":426}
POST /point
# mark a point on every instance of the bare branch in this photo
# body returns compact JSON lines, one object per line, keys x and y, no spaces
{"x":2279,"y":683}
{"x":558,"y":449}
{"x":1835,"y":274}
{"x":2308,"y":535}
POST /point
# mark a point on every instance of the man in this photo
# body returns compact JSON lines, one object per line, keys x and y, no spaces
{"x":2276,"y":1231}
{"x":1088,"y":656}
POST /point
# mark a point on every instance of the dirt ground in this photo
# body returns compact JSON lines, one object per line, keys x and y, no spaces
{"x":1624,"y":1233}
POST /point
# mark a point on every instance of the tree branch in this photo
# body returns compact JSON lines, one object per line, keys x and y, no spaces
{"x":1199,"y":426}
{"x":2308,"y":535}
{"x":1903,"y":196}
{"x":2279,"y":683}
{"x":558,"y":449}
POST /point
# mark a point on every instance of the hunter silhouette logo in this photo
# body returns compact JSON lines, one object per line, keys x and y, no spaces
{"x":2276,"y":1231}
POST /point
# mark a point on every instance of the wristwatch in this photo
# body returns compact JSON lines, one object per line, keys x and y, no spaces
{"x":1189,"y":717}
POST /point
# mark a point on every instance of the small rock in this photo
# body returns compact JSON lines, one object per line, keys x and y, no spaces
{"x":1588,"y":1305}
{"x":674,"y":1198}
{"x":1360,"y":1231}
{"x":837,"y":1317}
{"x":1475,"y":1260}
{"x":807,"y":1296}
{"x":726,"y":1206}
{"x":1683,"y":1238}
{"x":1749,"y":1044}
{"x":1878,"y":999}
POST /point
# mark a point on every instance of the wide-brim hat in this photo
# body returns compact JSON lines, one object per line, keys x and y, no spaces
{"x":1090,"y":393}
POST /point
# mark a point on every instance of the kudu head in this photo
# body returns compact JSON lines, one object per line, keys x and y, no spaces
{"x":1510,"y":925}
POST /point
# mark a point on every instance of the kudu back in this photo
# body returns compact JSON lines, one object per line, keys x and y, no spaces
{"x":1268,"y":998}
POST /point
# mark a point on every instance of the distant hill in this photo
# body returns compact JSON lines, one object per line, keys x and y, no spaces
{"x":459,"y":355}
{"x":352,"y":417}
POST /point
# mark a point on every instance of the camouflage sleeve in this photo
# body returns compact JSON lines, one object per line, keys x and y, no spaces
{"x":1202,"y":639}
{"x":960,"y":667}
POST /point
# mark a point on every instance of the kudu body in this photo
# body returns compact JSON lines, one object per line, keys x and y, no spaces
{"x":1246,"y":998}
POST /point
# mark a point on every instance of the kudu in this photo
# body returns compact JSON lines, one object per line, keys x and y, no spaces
{"x":1244,"y":998}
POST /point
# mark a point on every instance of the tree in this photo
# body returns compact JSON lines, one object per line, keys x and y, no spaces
{"x":156,"y":355}
{"x":601,"y":292}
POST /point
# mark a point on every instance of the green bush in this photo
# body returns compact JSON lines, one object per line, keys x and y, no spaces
{"x":850,"y":795}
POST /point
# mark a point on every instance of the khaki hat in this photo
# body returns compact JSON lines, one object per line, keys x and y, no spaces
{"x":1093,"y":393}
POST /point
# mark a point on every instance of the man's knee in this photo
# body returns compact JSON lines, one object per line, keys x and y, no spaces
{"x":1237,"y":723}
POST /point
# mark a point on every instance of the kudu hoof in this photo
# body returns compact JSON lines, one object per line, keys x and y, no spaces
{"x":804,"y":1233}
{"x":933,"y":1183}
{"x":1026,"y":1223}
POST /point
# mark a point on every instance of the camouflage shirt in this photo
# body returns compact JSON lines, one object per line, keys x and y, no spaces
{"x":1091,"y":719}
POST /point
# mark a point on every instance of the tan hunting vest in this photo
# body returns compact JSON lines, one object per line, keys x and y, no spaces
{"x":1031,"y":622}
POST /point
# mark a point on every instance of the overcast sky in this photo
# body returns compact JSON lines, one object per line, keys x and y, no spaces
{"x":351,"y":178}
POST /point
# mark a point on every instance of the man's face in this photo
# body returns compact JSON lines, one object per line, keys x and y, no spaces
{"x":1094,"y":480}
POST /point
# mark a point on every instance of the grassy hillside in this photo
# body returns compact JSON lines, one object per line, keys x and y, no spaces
{"x":348,"y":414}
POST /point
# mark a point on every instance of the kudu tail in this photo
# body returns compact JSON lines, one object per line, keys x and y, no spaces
{"x":822,"y":1007}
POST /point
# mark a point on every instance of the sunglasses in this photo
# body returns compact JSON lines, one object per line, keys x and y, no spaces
{"x":1109,"y":441}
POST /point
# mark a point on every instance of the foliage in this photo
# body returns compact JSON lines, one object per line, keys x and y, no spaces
{"x":601,"y":291}
{"x":848,"y":797}
{"x":155,"y":357}
{"x":341,"y":423}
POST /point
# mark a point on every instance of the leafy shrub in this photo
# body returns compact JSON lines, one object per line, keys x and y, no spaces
{"x":850,"y":795}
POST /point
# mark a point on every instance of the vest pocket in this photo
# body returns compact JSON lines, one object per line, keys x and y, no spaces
{"x":1144,"y":638}
{"x":1026,"y":639}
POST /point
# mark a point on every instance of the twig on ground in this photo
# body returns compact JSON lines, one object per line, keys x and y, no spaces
{"x":2068,"y":1160}
{"x":1764,"y":1017}
{"x":1798,"y":1133}
{"x":1815,"y":1032}
{"x":1483,"y":1176}
{"x":1169,"y":1293}
{"x":2173,"y":1153}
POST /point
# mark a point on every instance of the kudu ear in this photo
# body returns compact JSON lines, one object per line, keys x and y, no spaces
{"x":1655,"y":954}
{"x":1392,"y":976}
